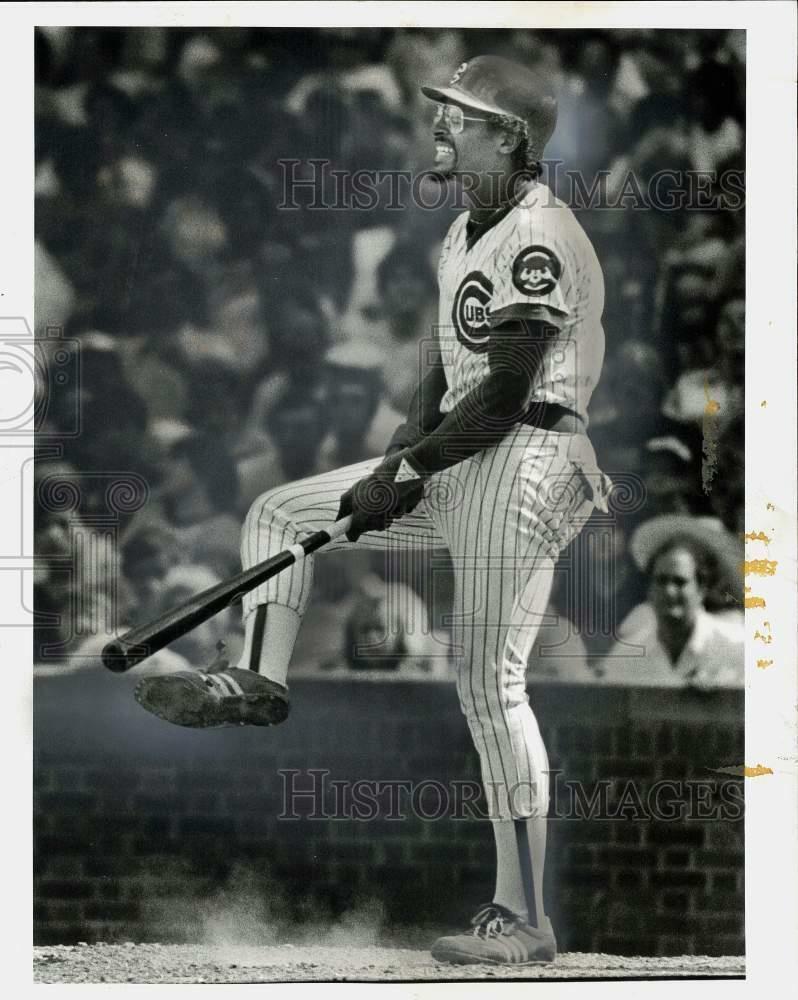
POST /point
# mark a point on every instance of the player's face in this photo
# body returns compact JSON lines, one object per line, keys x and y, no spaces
{"x":675,"y":592}
{"x":460,"y":140}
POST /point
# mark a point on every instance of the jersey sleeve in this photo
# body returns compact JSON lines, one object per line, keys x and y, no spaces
{"x":532,"y":276}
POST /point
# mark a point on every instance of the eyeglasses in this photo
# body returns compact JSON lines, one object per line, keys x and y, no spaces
{"x":453,"y":118}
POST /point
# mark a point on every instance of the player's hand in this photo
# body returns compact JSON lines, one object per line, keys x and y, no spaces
{"x":548,"y":531}
{"x":376,"y":501}
{"x":554,"y":525}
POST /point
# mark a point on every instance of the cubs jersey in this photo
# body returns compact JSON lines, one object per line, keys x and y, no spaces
{"x":530,"y":261}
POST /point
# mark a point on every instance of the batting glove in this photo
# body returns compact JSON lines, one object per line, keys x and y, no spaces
{"x":375,"y":502}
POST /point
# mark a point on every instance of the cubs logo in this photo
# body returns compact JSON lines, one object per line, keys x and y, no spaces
{"x":536,"y":271}
{"x":470,"y":311}
{"x":458,"y":73}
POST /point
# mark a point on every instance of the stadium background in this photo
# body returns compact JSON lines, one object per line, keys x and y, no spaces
{"x":212,"y":345}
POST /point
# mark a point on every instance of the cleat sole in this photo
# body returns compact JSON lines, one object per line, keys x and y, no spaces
{"x":182,"y":703}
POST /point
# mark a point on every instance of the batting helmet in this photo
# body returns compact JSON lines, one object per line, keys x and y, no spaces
{"x":498,"y":86}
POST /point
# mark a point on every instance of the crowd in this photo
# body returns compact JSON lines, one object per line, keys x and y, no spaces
{"x":218,"y":341}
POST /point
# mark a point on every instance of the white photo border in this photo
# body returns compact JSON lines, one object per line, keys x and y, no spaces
{"x":771,"y":827}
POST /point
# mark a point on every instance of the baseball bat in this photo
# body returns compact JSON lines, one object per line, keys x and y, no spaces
{"x":136,"y":645}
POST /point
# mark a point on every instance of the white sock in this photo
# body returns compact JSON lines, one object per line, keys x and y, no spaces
{"x":270,"y":633}
{"x":520,"y":858}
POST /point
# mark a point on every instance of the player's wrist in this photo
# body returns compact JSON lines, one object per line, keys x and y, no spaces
{"x":404,"y":437}
{"x":403,"y":466}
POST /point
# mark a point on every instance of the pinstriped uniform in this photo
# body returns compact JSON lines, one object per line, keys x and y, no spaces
{"x":479,"y":287}
{"x":485,"y":510}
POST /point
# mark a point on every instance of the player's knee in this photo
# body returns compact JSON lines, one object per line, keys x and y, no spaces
{"x":485,"y":699}
{"x":479,"y":704}
{"x":277,"y":506}
{"x":267,"y":527}
{"x":264,"y":505}
{"x":513,"y":690}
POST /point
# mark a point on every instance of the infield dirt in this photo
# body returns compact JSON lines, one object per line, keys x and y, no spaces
{"x":186,"y":963}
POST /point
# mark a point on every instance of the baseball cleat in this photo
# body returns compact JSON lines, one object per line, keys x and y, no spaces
{"x":202,"y":700}
{"x":499,"y":937}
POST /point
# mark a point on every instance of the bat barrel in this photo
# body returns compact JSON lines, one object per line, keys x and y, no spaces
{"x":120,"y":656}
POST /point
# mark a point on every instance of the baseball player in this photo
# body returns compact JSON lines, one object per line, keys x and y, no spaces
{"x":492,"y":463}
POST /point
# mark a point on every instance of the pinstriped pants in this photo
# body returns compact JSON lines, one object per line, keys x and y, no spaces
{"x":486,"y":511}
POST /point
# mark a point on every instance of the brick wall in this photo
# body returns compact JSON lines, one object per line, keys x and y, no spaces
{"x":141,"y":828}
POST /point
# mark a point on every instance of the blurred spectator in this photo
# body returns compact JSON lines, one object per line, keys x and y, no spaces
{"x":727,"y":498}
{"x":649,"y":65}
{"x":348,"y":74}
{"x":387,"y":629}
{"x":295,"y":426}
{"x":54,"y":585}
{"x":54,"y":295}
{"x":716,"y":135}
{"x":300,"y":336}
{"x":179,"y":585}
{"x":429,"y":54}
{"x":143,"y":58}
{"x":627,"y":413}
{"x":719,"y":386}
{"x":360,"y":421}
{"x":216,"y":405}
{"x":196,"y":235}
{"x":406,"y":321}
{"x":588,"y":138}
{"x":111,"y":412}
{"x":370,"y":245}
{"x":599,"y":588}
{"x":199,"y":498}
{"x":731,"y":272}
{"x":724,"y":550}
{"x":379,"y":132}
{"x":671,"y":477}
{"x":360,"y":623}
{"x":235,"y":336}
{"x":688,"y":292}
{"x":675,"y":640}
{"x":75,"y":578}
{"x":148,"y":553}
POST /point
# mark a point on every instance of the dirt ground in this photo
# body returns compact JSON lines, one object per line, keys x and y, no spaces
{"x":156,"y":963}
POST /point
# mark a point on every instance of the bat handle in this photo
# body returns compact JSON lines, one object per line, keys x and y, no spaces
{"x":339,"y":528}
{"x":317,"y":540}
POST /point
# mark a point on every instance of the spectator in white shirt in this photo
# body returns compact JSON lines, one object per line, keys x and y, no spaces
{"x":681,"y":644}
